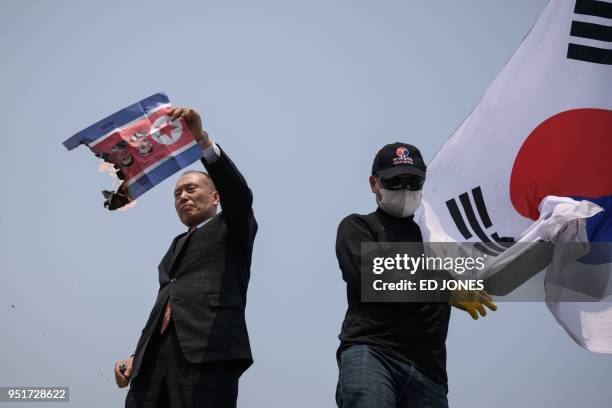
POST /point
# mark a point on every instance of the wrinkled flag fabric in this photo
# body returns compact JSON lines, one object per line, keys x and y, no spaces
{"x":144,"y":145}
{"x":542,"y":129}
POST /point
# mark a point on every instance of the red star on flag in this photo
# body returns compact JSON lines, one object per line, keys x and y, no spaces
{"x":166,"y":129}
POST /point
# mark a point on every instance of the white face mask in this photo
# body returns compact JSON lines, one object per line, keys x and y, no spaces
{"x":400,"y":203}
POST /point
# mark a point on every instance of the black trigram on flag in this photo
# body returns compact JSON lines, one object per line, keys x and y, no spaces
{"x":492,"y":244}
{"x":592,"y":31}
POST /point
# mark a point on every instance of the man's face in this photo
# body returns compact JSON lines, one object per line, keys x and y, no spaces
{"x":195,"y":199}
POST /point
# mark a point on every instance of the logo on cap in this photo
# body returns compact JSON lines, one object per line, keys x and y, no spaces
{"x":402,"y":152}
{"x":403,"y":156}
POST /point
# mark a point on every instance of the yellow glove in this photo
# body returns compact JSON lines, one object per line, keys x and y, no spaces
{"x":472,"y":301}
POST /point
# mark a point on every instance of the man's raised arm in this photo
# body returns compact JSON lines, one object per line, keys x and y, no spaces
{"x":235,"y":195}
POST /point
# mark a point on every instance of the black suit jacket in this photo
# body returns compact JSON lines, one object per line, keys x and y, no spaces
{"x":205,"y":276}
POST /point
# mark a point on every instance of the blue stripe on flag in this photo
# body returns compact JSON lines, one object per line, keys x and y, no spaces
{"x":116,"y":120}
{"x":164,"y":170}
{"x":599,"y":231}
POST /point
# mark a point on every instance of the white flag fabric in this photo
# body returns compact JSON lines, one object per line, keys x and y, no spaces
{"x":542,"y":129}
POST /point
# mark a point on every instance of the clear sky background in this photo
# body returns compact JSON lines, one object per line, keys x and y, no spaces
{"x":301,"y":95}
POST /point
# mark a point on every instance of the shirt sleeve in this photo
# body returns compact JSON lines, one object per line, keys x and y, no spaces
{"x":211,"y":153}
{"x":352,"y":231}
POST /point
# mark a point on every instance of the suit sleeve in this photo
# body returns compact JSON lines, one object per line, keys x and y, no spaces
{"x":236,"y":197}
{"x":352,"y":231}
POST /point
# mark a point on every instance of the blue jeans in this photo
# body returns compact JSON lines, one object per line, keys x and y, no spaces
{"x":370,"y":379}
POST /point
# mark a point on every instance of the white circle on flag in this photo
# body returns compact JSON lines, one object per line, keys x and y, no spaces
{"x":162,"y":135}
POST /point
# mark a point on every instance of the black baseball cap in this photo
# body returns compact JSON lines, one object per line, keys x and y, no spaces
{"x":396,"y":159}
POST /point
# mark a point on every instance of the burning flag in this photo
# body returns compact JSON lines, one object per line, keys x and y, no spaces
{"x":143,"y":145}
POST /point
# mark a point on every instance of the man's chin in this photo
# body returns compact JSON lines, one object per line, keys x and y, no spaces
{"x":186,"y":220}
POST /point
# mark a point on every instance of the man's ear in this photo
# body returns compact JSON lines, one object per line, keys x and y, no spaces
{"x":373,"y":185}
{"x":216,"y":198}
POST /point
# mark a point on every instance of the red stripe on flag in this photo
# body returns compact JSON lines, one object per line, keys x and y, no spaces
{"x":144,"y":143}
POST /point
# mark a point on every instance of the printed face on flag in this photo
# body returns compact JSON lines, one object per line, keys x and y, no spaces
{"x":143,"y":143}
{"x":139,"y":145}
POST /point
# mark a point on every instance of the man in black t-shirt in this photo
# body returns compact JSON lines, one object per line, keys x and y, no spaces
{"x":391,"y":354}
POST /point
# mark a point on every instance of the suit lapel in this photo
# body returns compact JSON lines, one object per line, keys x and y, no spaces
{"x":180,"y":244}
{"x":164,"y":265}
{"x":163,"y":268}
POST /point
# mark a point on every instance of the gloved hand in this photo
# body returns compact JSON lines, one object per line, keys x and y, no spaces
{"x":472,"y":301}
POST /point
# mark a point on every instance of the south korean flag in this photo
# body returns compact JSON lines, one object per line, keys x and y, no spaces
{"x":535,"y":155}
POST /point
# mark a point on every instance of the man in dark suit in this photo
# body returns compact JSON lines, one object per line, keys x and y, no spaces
{"x":195,"y":345}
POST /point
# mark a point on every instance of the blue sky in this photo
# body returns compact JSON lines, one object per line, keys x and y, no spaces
{"x":301,"y":95}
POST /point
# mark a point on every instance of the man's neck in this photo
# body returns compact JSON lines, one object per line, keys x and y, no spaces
{"x":393,"y":217}
{"x":195,"y":226}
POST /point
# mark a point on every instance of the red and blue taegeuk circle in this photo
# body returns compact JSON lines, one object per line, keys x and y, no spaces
{"x":567,"y":155}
